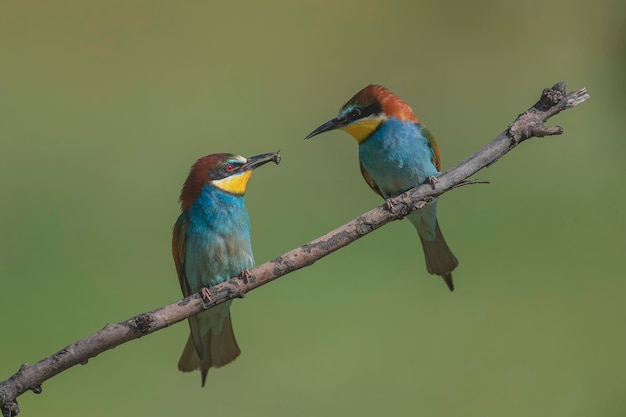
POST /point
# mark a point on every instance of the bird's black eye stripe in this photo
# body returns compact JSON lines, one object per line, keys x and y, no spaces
{"x":231,"y":167}
{"x":354,"y":114}
{"x":363,"y":112}
{"x":225,"y":170}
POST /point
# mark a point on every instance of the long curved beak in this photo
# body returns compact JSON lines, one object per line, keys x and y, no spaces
{"x":329,"y":125}
{"x":259,"y":160}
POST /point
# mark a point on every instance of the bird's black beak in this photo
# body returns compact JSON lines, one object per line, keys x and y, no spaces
{"x":329,"y":125}
{"x":258,"y":160}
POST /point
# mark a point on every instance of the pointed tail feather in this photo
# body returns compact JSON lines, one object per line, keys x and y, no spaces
{"x":217,"y":350}
{"x":439,"y":258}
{"x":223,"y":346}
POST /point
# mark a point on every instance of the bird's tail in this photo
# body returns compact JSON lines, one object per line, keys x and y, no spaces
{"x":439,"y":258}
{"x":217,"y":350}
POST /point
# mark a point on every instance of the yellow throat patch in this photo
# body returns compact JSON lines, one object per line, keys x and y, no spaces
{"x":235,"y":184}
{"x":361,"y":129}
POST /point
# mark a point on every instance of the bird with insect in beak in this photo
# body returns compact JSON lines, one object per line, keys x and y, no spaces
{"x":210,"y":244}
{"x":397,"y":153}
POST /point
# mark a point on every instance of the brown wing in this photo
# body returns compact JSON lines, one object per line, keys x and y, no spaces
{"x":178,"y":252}
{"x":370,"y":181}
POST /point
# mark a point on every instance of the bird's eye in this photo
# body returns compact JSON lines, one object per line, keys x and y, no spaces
{"x":230,"y":168}
{"x":355,"y":114}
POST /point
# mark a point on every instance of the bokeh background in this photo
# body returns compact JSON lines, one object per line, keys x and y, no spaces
{"x":105,"y":105}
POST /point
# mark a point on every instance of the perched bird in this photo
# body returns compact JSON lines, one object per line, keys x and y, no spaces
{"x":210,"y":244}
{"x":397,"y":153}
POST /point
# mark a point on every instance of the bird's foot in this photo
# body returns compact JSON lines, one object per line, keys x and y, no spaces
{"x":433,"y":181}
{"x":420,"y":205}
{"x":245,"y":276}
{"x":389,"y":204}
{"x":205,"y":293}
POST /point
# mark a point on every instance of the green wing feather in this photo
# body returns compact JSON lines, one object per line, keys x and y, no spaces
{"x":178,"y":252}
{"x":370,"y":181}
{"x":435,"y":158}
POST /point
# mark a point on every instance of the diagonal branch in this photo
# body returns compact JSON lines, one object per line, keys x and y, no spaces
{"x":528,"y":124}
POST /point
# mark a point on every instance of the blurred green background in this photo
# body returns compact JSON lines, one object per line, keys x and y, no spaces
{"x":105,"y":105}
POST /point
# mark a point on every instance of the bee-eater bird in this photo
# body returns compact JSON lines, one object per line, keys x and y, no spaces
{"x":397,"y":153}
{"x":210,"y":244}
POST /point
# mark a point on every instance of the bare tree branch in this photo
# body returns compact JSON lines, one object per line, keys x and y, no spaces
{"x":528,"y":124}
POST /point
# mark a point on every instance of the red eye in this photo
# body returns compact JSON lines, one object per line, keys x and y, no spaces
{"x":230,"y":168}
